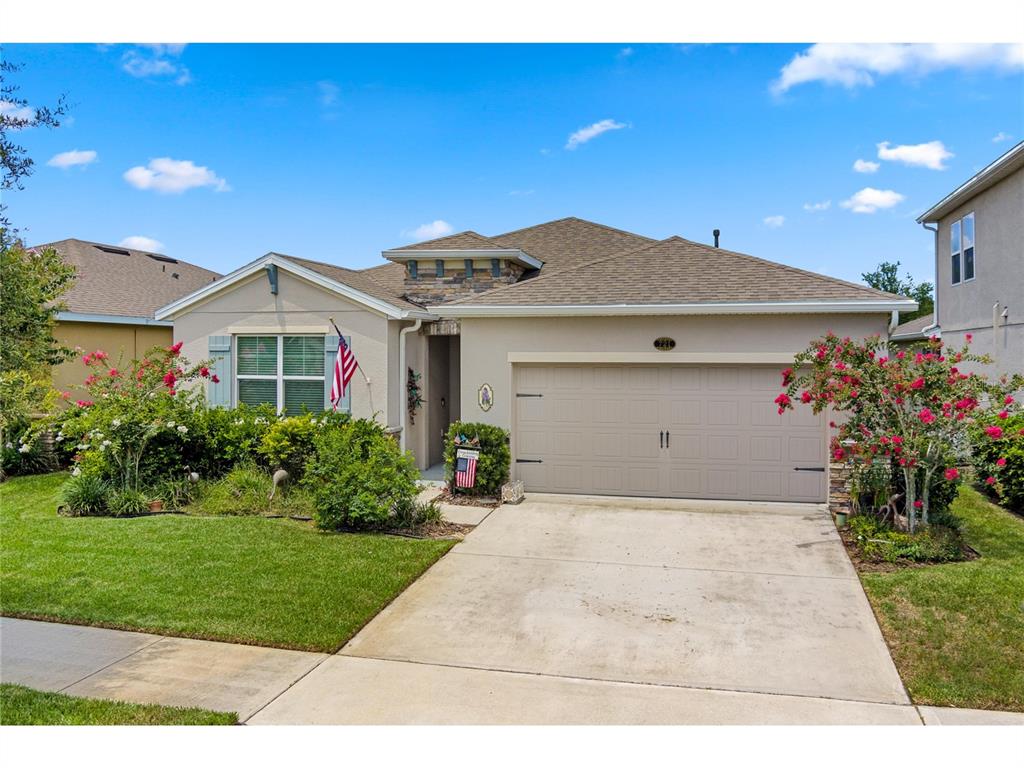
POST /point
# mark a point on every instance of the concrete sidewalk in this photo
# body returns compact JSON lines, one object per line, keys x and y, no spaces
{"x":251,"y":681}
{"x":148,"y":669}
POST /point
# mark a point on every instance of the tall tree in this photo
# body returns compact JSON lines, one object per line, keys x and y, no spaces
{"x":886,"y":278}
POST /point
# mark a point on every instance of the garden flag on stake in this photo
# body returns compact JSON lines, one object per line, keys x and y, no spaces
{"x":344,"y":369}
{"x":465,"y":468}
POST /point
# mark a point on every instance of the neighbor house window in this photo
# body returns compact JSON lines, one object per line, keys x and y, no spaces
{"x":961,"y":249}
{"x":439,"y":268}
{"x":967,"y":246}
{"x":286,"y":372}
{"x":469,"y":268}
{"x":954,"y":252}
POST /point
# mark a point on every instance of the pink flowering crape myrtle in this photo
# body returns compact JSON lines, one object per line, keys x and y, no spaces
{"x":912,"y":408}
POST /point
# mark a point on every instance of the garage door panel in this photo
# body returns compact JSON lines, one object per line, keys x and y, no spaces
{"x":685,"y":413}
{"x":645,"y":412}
{"x":727,"y":440}
{"x":767,"y":448}
{"x":723,"y":413}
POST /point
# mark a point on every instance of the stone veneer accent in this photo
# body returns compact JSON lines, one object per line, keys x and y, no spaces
{"x":839,"y":499}
{"x":428,"y":288}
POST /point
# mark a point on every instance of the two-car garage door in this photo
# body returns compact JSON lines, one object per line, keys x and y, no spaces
{"x":684,"y":431}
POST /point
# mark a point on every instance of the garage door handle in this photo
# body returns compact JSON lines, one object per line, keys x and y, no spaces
{"x":808,"y":469}
{"x":668,"y":435}
{"x":524,"y":394}
{"x":661,"y":439}
{"x":529,"y":461}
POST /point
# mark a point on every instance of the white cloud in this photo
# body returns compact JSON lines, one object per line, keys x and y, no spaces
{"x":329,"y":93}
{"x":625,"y":53}
{"x":928,"y":155}
{"x":774,"y":222}
{"x":869,"y":200}
{"x":72,"y":157}
{"x":430,"y":230}
{"x":13,"y":111}
{"x":824,"y":205}
{"x":585,"y":134}
{"x":174,"y":176}
{"x":1001,"y":136}
{"x":865,"y":166}
{"x":142,"y":243}
{"x":156,"y":60}
{"x":859,"y":64}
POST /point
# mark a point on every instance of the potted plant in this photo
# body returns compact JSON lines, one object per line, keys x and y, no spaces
{"x":156,"y":505}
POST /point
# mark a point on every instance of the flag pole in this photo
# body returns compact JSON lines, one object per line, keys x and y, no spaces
{"x":358,"y":366}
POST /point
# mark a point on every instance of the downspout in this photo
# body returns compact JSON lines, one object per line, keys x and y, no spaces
{"x":402,"y":376}
{"x":935,"y":301}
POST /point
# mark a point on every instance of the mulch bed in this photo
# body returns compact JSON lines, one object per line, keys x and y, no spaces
{"x":881,"y":566}
{"x":438,"y":530}
{"x":466,"y":500}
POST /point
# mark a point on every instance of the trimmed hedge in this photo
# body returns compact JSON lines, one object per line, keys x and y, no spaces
{"x":492,"y":469}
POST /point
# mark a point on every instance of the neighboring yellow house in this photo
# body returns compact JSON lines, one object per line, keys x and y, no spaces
{"x":111,"y":304}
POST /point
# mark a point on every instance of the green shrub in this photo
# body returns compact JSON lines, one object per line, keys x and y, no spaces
{"x":85,"y":494}
{"x":492,"y":467}
{"x":411,"y":513}
{"x":358,"y":476}
{"x":288,"y":444}
{"x":245,"y":490}
{"x":125,"y":502}
{"x":175,"y":493}
{"x":1009,"y":486}
{"x":23,"y":454}
{"x":229,"y":436}
{"x":880,"y":543}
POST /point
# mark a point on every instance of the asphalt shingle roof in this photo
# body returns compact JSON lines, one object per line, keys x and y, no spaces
{"x":124,"y":281}
{"x":673,"y":271}
{"x":460,"y":241}
{"x":374,"y":282}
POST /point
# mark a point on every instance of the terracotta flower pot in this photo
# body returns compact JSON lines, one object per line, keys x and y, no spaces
{"x":156,"y":505}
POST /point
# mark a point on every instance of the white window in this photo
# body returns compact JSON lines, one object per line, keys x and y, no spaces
{"x":284,"y":371}
{"x":961,"y":249}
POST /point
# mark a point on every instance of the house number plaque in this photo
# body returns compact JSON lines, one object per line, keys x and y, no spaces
{"x":664,"y":344}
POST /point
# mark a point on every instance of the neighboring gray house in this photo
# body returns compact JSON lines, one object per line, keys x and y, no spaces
{"x":979,"y":265}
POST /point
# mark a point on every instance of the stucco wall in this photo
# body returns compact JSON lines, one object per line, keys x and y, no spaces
{"x":126,"y":342}
{"x":298,"y":307}
{"x":487,"y":342}
{"x":999,"y":276}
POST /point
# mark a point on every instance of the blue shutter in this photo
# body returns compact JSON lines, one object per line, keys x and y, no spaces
{"x":219,"y":394}
{"x":330,"y":352}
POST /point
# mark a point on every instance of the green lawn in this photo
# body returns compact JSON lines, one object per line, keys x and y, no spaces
{"x":956,"y":631}
{"x":244,"y":579}
{"x":25,"y":706}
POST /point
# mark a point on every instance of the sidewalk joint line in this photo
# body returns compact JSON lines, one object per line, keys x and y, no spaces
{"x":682,"y":686}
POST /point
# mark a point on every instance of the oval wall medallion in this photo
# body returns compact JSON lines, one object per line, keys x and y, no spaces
{"x":485,"y":397}
{"x":664,"y":344}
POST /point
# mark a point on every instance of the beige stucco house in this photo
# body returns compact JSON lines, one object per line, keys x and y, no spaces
{"x":979,"y":265}
{"x":112,"y":302}
{"x":619,"y":364}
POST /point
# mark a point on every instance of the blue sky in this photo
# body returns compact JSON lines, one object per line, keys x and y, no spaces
{"x":335,"y":152}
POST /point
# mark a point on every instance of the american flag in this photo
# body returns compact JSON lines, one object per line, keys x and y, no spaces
{"x":344,"y":369}
{"x":465,"y":471}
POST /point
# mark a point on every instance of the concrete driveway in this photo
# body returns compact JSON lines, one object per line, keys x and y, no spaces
{"x":595,"y":610}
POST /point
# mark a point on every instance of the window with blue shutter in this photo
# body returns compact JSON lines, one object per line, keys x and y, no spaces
{"x":219,"y":393}
{"x":495,"y":268}
{"x":469,"y":269}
